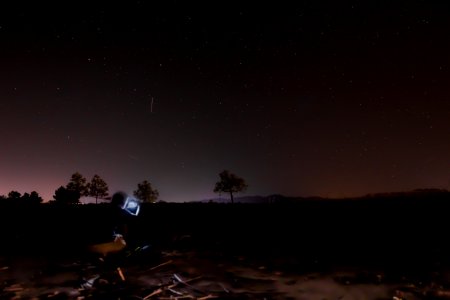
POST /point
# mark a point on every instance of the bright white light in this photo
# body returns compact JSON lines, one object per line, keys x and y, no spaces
{"x":131,"y":206}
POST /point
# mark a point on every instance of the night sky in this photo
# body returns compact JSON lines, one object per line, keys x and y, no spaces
{"x":317,"y":99}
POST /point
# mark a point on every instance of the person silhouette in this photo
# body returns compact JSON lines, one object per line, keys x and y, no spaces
{"x":113,"y":236}
{"x":112,"y":251}
{"x":119,"y":217}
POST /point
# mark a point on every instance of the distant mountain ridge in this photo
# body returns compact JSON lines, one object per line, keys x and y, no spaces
{"x":277,"y":198}
{"x":260,"y":199}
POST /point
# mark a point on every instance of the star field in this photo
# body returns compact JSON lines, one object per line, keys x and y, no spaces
{"x":316,"y":99}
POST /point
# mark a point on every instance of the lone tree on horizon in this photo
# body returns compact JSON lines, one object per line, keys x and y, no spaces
{"x":97,"y":188}
{"x":78,"y":184}
{"x":230,"y":183}
{"x":146,"y":193}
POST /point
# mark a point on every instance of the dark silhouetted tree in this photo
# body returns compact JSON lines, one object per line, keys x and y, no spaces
{"x":97,"y":188}
{"x":31,"y":199}
{"x":146,"y":193}
{"x":14,"y":195}
{"x":65,"y":196}
{"x":78,"y":184}
{"x":230,"y":183}
{"x":35,"y":198}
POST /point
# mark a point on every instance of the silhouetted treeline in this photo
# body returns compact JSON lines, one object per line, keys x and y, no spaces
{"x":16,"y":198}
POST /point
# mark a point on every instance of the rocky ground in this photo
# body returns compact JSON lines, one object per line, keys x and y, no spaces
{"x":195,"y":275}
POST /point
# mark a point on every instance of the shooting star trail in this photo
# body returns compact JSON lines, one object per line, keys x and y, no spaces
{"x":151,"y":106}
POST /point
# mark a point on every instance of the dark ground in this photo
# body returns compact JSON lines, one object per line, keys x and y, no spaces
{"x":371,"y":249}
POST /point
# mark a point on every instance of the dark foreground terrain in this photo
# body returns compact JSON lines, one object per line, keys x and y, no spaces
{"x":364,"y":249}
